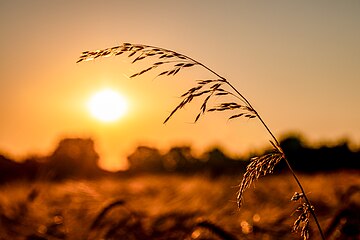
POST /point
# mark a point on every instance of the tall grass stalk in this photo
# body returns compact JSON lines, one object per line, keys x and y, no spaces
{"x":218,"y":86}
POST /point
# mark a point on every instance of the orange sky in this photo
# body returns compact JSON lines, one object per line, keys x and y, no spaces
{"x":297,"y":63}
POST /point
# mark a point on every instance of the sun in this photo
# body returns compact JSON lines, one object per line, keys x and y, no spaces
{"x":107,"y":105}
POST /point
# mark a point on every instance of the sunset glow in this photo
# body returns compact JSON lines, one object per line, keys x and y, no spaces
{"x":295,"y":61}
{"x":107,"y":105}
{"x":156,"y":119}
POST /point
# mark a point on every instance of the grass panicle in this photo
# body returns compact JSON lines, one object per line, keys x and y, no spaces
{"x":304,"y":212}
{"x":218,"y":87}
{"x":258,"y":167}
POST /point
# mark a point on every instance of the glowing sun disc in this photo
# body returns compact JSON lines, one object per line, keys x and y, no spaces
{"x":107,"y":105}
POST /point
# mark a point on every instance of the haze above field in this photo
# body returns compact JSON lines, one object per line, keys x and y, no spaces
{"x":297,"y":62}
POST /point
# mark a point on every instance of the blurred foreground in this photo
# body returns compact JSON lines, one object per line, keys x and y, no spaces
{"x":175,"y":195}
{"x":173,"y":206}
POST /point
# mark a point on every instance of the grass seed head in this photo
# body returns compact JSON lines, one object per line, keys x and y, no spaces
{"x":258,"y":167}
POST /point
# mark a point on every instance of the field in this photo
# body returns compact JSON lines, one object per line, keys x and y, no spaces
{"x":176,"y":207}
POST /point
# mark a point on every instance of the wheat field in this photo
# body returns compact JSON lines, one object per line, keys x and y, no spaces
{"x":173,"y":207}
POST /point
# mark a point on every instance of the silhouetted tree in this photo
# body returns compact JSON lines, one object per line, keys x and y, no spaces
{"x":145,"y":159}
{"x":324,"y":158}
{"x":218,"y":163}
{"x":9,"y":169}
{"x":74,"y":157}
{"x":180,"y":159}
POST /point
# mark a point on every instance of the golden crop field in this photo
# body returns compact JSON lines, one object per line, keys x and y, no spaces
{"x":176,"y":207}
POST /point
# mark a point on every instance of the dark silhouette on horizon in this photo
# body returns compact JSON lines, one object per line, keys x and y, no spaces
{"x":73,"y":158}
{"x":77,"y":158}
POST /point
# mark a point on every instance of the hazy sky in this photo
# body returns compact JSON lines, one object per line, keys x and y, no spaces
{"x":298,"y":62}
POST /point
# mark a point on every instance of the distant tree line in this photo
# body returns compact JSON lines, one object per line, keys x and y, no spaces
{"x":322,"y":158}
{"x":76,"y":158}
{"x":181,"y":160}
{"x":73,"y":158}
{"x":302,"y":158}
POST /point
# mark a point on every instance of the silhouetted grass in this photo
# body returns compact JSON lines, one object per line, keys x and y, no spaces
{"x":215,"y":86}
